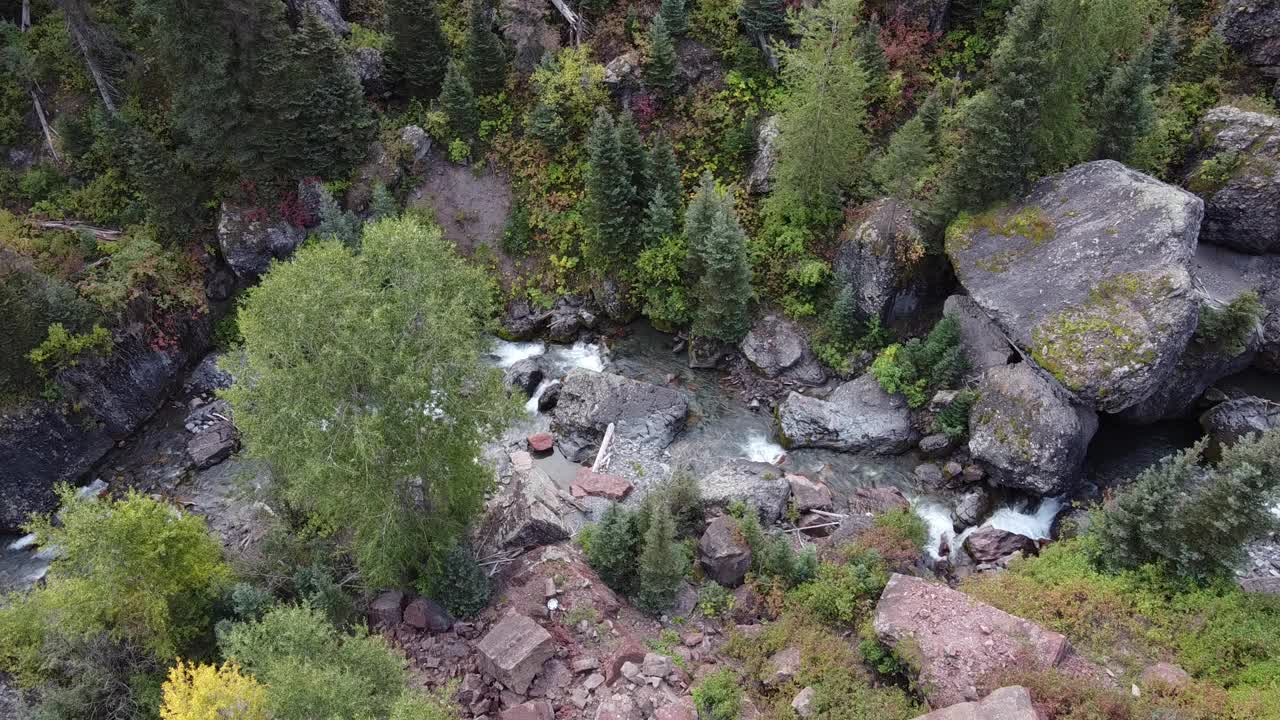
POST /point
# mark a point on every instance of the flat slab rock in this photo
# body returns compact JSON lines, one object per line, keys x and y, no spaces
{"x":598,"y":484}
{"x":514,"y":650}
{"x":1006,"y":703}
{"x":957,"y":642}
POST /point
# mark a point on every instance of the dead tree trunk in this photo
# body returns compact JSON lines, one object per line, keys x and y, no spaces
{"x":35,"y":96}
{"x":91,"y":41}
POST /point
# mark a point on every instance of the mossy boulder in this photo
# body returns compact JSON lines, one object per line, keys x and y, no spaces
{"x":882,"y":259}
{"x":1238,"y":175}
{"x":1088,"y":275}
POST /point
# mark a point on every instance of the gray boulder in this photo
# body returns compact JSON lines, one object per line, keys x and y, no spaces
{"x":212,"y":445}
{"x":858,"y":417}
{"x":329,"y":14}
{"x":989,"y":544}
{"x":1252,"y":27}
{"x":250,"y":238}
{"x":984,"y":344}
{"x":1028,"y":431}
{"x":1088,"y":275}
{"x":723,"y":553}
{"x":758,"y":179}
{"x":530,"y":512}
{"x":881,"y":260}
{"x":524,"y":25}
{"x":368,"y":65}
{"x":778,"y":348}
{"x":524,"y":375}
{"x":646,"y":417}
{"x":513,"y":651}
{"x":971,"y":508}
{"x":1228,"y":422}
{"x":1238,"y":175}
{"x":758,"y":485}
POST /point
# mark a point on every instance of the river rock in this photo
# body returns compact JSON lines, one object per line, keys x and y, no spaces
{"x":530,"y":512}
{"x":957,"y":642}
{"x":645,"y":416}
{"x":213,"y":444}
{"x":971,"y":508}
{"x":777,"y":347}
{"x":1252,"y":27}
{"x":858,"y":417}
{"x":723,"y":553}
{"x":1006,"y":703}
{"x":936,"y":445}
{"x":1089,"y":276}
{"x":760,"y":176}
{"x":251,"y":237}
{"x":881,"y":260}
{"x":524,"y":375}
{"x":1028,"y":432}
{"x":759,"y":485}
{"x":984,"y":345}
{"x":597,"y":484}
{"x":1238,"y":175}
{"x":541,"y":442}
{"x":1228,"y":422}
{"x":513,"y":651}
{"x":807,"y":494}
{"x":989,"y":544}
{"x":569,"y":316}
{"x":207,"y":377}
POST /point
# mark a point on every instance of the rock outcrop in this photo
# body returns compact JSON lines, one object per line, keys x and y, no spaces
{"x":1238,"y":175}
{"x":1252,"y":28}
{"x":531,"y":511}
{"x":1228,"y":422}
{"x":250,"y":238}
{"x":1028,"y":431}
{"x":524,"y":25}
{"x":858,"y":417}
{"x":882,"y":261}
{"x":955,"y":642}
{"x":723,"y":553}
{"x":759,"y":177}
{"x":646,"y":417}
{"x":1006,"y":703}
{"x":514,"y":650}
{"x":1089,"y":276}
{"x":778,"y":349}
{"x":758,"y":485}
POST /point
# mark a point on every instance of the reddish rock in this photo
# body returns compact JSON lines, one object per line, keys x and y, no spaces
{"x":681,"y":709}
{"x":1007,"y":703}
{"x":532,"y":710}
{"x":807,"y":494}
{"x":1166,"y":674}
{"x":385,"y":609}
{"x":602,"y":485}
{"x":514,"y":650}
{"x":876,"y":500}
{"x":618,"y":707}
{"x":956,"y":641}
{"x":989,"y":544}
{"x":629,"y":651}
{"x":541,"y":442}
{"x":426,"y":615}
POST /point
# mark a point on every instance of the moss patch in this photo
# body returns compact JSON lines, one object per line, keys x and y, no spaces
{"x":1030,"y":224}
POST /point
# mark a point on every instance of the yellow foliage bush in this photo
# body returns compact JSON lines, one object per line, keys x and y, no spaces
{"x":208,"y":692}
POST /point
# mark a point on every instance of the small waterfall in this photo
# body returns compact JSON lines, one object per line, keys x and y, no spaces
{"x":1035,"y":525}
{"x":531,"y":406}
{"x":759,"y":448}
{"x":578,"y":355}
{"x":505,"y":353}
{"x":937,"y":518}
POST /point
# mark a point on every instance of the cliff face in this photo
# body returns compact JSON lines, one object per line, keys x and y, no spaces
{"x":45,"y":443}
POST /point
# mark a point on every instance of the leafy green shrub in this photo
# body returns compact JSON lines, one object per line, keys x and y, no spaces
{"x":773,"y":557}
{"x":1214,"y":173}
{"x":1228,"y":328}
{"x":461,"y":585}
{"x":312,"y":670}
{"x":517,"y":236}
{"x":250,"y":602}
{"x":1194,"y":520}
{"x":364,"y":37}
{"x":843,"y":593}
{"x":41,"y":182}
{"x":718,"y":696}
{"x":134,"y":571}
{"x":953,"y":420}
{"x":921,"y":367}
{"x":61,"y":349}
{"x":714,"y":600}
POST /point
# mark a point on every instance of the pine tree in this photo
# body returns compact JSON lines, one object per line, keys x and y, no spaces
{"x":870,"y":56}
{"x":610,"y":193}
{"x":341,"y":225}
{"x":417,"y":54}
{"x":662,"y":563}
{"x":1125,"y":110}
{"x":612,"y":553}
{"x":723,"y":291}
{"x":636,"y":159}
{"x":486,"y":57}
{"x":676,"y":16}
{"x":382,"y":205}
{"x":664,"y":173}
{"x":459,"y":104}
{"x":661,"y":64}
{"x":699,"y":219}
{"x":763,"y":17}
{"x":659,"y":221}
{"x":904,"y":163}
{"x":845,"y":315}
{"x":1164,"y":44}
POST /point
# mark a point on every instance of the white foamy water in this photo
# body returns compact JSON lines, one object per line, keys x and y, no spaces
{"x":759,"y":448}
{"x":531,"y":406}
{"x":24,"y":542}
{"x":578,"y":355}
{"x":937,"y":518}
{"x":1034,"y":525}
{"x":505,"y":353}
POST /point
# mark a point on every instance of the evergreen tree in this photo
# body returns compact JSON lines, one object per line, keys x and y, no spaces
{"x":336,"y":223}
{"x":459,"y":104}
{"x":845,"y":315}
{"x":417,"y":53}
{"x":613,"y":548}
{"x":676,"y":16}
{"x":659,"y":221}
{"x":662,"y":563}
{"x":610,"y":192}
{"x":636,"y":158}
{"x":664,"y":173}
{"x":821,"y":141}
{"x":382,"y":204}
{"x":661,"y":64}
{"x":546,"y":123}
{"x":1164,"y":44}
{"x":906,"y":161}
{"x":486,"y":57}
{"x":723,"y":292}
{"x":763,"y":18}
{"x":699,"y":219}
{"x":1125,"y":110}
{"x":870,"y":56}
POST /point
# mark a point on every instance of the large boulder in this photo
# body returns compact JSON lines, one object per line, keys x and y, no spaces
{"x":758,"y":485}
{"x":524,"y":25}
{"x":513,"y":651}
{"x":1228,"y":422}
{"x":251,"y":237}
{"x":882,"y":261}
{"x":368,"y":65}
{"x":984,"y":345}
{"x":531,"y":511}
{"x":1252,"y":27}
{"x":1006,"y":703}
{"x":1088,"y":275}
{"x":645,"y":417}
{"x":989,"y":544}
{"x":1238,"y":175}
{"x":954,"y":642}
{"x":858,"y":417}
{"x":723,"y":553}
{"x":778,"y":348}
{"x":1028,"y":431}
{"x":759,"y":178}
{"x":328,"y":12}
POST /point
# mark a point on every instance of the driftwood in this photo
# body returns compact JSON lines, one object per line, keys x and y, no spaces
{"x":49,"y":134}
{"x":77,"y":226}
{"x":602,"y":457}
